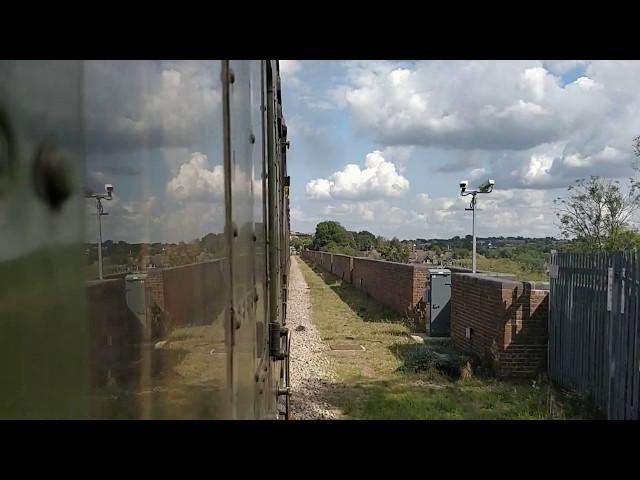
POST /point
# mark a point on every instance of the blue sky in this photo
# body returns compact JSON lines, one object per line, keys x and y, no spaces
{"x":375,"y":145}
{"x":382,"y":145}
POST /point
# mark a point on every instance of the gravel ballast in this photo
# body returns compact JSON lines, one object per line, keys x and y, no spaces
{"x":311,"y":374}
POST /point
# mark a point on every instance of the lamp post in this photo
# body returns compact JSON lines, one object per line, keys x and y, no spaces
{"x":100,"y":212}
{"x":486,"y":187}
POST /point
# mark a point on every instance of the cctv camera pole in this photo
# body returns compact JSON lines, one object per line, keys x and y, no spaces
{"x":473,"y":207}
{"x":485,"y":188}
{"x":100,"y":212}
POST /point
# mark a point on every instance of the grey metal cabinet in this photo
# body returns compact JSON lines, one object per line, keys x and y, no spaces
{"x":439,"y":299}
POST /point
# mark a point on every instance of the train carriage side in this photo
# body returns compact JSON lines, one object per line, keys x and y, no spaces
{"x":167,"y":297}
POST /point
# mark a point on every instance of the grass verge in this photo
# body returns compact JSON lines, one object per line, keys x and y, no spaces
{"x":383,"y":381}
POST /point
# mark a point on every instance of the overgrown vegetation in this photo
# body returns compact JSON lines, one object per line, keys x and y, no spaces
{"x":597,"y":213}
{"x":396,"y":378}
{"x":332,"y":237}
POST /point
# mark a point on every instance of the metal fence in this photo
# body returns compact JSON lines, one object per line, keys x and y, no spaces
{"x":593,"y":328}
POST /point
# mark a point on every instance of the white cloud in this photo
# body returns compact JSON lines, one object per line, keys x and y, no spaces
{"x":359,"y":210}
{"x":519,"y":108}
{"x":289,"y":70}
{"x":504,"y":212}
{"x":539,"y":166}
{"x":147,"y":104}
{"x":197,"y":181}
{"x":533,"y":80}
{"x":378,"y":179}
{"x":290,"y":67}
{"x":377,"y":216}
{"x":586,"y":83}
{"x":399,"y":155}
{"x":319,"y":189}
{"x":485,"y":105}
{"x":477,"y":174}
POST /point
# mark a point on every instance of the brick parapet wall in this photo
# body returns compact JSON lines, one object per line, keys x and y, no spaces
{"x":387,"y":282}
{"x":187,"y":292}
{"x":399,"y":286}
{"x":192,"y":294}
{"x":508,"y":321}
{"x":155,"y":284}
{"x":342,"y":266}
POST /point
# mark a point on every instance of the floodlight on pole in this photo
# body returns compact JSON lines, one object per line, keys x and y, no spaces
{"x":100,"y":212}
{"x":486,"y":187}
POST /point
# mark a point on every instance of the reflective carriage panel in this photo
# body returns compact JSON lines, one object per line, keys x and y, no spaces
{"x":133,"y":259}
{"x":154,"y":130}
{"x":148,"y":338}
{"x":43,"y":333}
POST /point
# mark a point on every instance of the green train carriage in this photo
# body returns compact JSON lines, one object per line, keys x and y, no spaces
{"x":165,"y":297}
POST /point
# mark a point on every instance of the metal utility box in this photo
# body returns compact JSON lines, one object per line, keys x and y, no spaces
{"x":438,"y":296}
{"x":135,"y":295}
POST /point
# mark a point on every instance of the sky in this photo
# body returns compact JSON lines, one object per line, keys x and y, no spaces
{"x":383,"y":145}
{"x":376,"y":145}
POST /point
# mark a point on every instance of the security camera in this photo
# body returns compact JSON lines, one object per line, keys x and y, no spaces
{"x":463,"y":185}
{"x":109,"y":189}
{"x":487,"y":186}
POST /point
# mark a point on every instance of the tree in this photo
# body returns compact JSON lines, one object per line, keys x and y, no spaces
{"x":365,"y":240}
{"x":329,"y":231}
{"x":461,"y":253}
{"x":598,"y":213}
{"x":392,"y":250}
{"x":299,"y":243}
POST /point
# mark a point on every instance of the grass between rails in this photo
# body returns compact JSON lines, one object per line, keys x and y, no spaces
{"x":378,"y":383}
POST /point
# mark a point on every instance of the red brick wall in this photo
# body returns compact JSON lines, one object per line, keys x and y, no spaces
{"x":389,"y":283}
{"x":194,"y":294}
{"x":155,"y":283}
{"x":112,"y":327}
{"x":189,"y":294}
{"x":342,"y":266}
{"x":325,"y":260}
{"x":399,"y":286}
{"x":508,"y":321}
{"x":419,"y":308}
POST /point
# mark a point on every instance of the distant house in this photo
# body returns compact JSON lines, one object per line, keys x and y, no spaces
{"x":418,"y":256}
{"x":430,"y":256}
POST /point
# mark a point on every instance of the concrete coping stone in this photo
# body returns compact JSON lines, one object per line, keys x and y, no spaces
{"x":507,"y":282}
{"x":90,"y":283}
{"x":365,"y":259}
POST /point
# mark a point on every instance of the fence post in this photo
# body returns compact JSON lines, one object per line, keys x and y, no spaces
{"x":551,"y":349}
{"x":613,"y":307}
